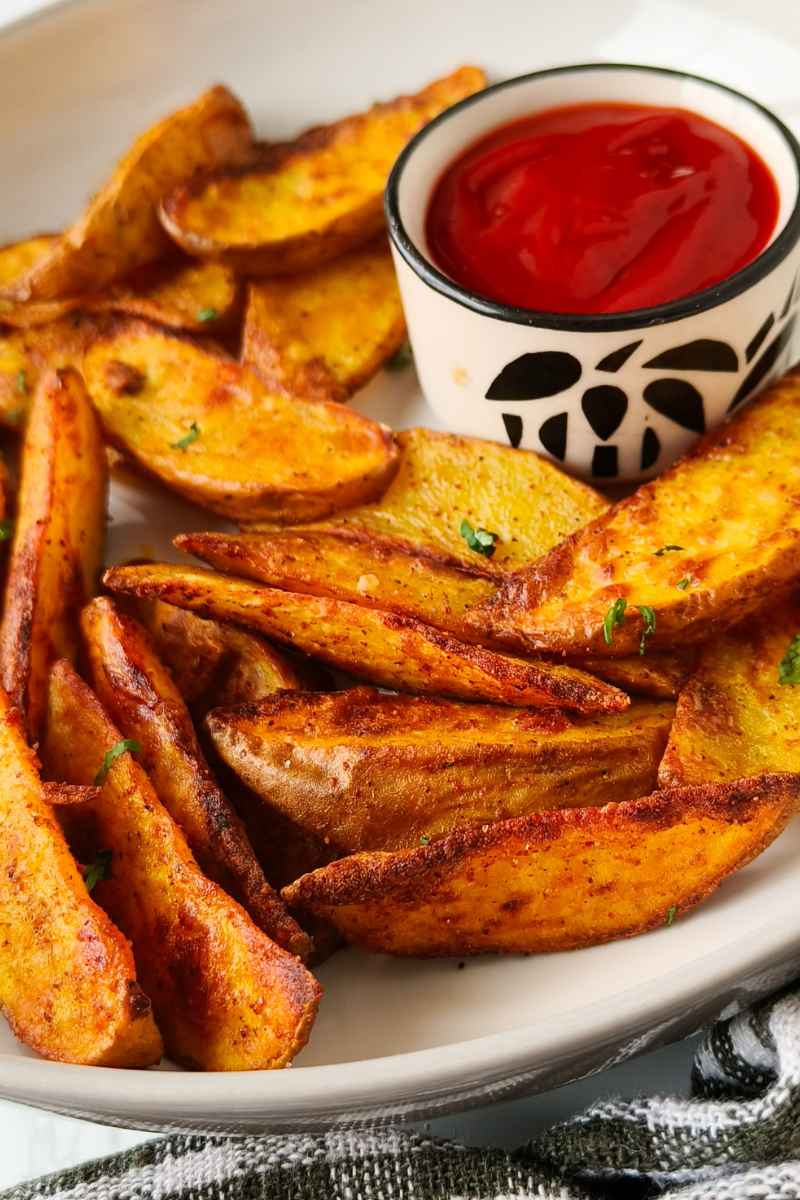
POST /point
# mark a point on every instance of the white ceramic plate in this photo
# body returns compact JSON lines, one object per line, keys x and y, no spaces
{"x":393,"y":1038}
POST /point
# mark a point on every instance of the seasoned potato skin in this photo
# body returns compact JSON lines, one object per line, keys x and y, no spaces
{"x":250,"y":453}
{"x":734,"y":717}
{"x":306,"y":202}
{"x":120,"y":230}
{"x":325,"y":333}
{"x":26,"y":354}
{"x":225,"y":996}
{"x":141,"y":698}
{"x":381,"y":647}
{"x":368,"y":771}
{"x":443,"y":478}
{"x":58,"y":540}
{"x":558,"y":879}
{"x":659,"y":673}
{"x":735,"y":553}
{"x":67,"y":978}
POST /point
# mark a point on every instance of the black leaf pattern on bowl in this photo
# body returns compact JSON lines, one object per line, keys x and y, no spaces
{"x":553,"y":435}
{"x":535,"y":376}
{"x":703,"y":354}
{"x":679,"y":401}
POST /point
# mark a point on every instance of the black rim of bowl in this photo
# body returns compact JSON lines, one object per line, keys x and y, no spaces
{"x":635,"y":318}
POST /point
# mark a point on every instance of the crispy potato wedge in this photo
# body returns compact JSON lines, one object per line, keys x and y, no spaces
{"x":17,"y":258}
{"x":225,"y":996}
{"x":325,"y":333}
{"x":380,"y":572}
{"x":734,"y":554}
{"x":739,"y":713}
{"x":443,"y":479}
{"x":369,"y":771}
{"x":211,"y":430}
{"x":67,"y":977}
{"x":213,"y":663}
{"x":120,"y":230}
{"x":308,"y":201}
{"x":558,"y":879}
{"x":58,"y":540}
{"x":370,"y":644}
{"x":140,"y":696}
{"x":25,"y":355}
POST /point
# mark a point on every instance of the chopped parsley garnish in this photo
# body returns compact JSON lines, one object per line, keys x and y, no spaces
{"x":99,"y":869}
{"x":667,"y":550}
{"x":6,"y":530}
{"x":614,"y":617}
{"x":482,"y":541}
{"x":207,"y":314}
{"x":789,"y":666}
{"x":22,"y":383}
{"x":110,"y":757}
{"x":683,"y":583}
{"x":188,"y":438}
{"x":648,"y":624}
{"x":670,"y":917}
{"x":401,"y":359}
{"x":424,"y":840}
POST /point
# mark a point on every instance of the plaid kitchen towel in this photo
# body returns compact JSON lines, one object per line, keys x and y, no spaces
{"x":737,"y":1138}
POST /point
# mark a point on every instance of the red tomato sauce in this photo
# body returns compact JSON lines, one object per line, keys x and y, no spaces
{"x":600,"y":208}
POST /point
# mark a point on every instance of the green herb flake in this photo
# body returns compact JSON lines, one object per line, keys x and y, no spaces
{"x":110,"y":757}
{"x":667,"y":550}
{"x":789,"y":666}
{"x":670,"y":917}
{"x":6,"y":530}
{"x":648,"y":624}
{"x":188,"y":438}
{"x":683,"y":583}
{"x":207,"y":314}
{"x":482,"y":541}
{"x":401,"y":359}
{"x":22,"y":383}
{"x":614,"y":617}
{"x":424,"y":840}
{"x":99,"y":869}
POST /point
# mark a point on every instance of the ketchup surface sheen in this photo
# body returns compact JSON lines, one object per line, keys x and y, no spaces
{"x":598,"y":208}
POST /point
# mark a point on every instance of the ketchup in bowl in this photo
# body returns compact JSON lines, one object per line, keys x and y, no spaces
{"x":601,"y":208}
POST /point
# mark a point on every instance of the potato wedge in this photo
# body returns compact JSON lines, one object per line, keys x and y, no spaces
{"x":211,"y":430}
{"x":325,"y":333}
{"x":58,"y":540}
{"x":213,"y":663}
{"x":733,"y":553}
{"x":225,"y":996}
{"x":120,"y":230}
{"x":739,"y":713}
{"x":17,"y":258}
{"x":554,"y":880}
{"x":67,"y":978}
{"x":25,"y":354}
{"x":140,"y":697}
{"x":660,"y":674}
{"x":369,"y":771}
{"x":443,"y":479}
{"x":370,"y":644}
{"x":308,"y":201}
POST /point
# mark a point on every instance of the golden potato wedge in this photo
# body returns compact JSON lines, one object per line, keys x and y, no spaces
{"x":67,"y":978}
{"x":380,"y":572}
{"x":58,"y":540}
{"x":443,"y":479}
{"x":308,"y":201}
{"x":739,"y":713}
{"x":25,"y":354}
{"x":692,"y":548}
{"x":210,"y":429}
{"x":225,"y":996}
{"x":370,"y":644}
{"x":17,"y":258}
{"x":120,"y":230}
{"x":325,"y":333}
{"x":213,"y":663}
{"x":370,"y":771}
{"x":140,"y":696}
{"x":558,"y":879}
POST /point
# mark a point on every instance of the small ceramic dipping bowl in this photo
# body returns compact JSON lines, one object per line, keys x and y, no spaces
{"x":611,"y":396}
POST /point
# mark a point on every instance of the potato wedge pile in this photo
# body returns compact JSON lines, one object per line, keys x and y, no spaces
{"x":429,"y":697}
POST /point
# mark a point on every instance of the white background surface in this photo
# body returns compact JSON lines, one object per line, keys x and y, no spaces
{"x":750,"y":41}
